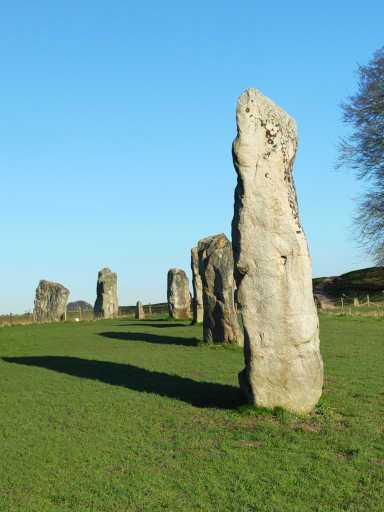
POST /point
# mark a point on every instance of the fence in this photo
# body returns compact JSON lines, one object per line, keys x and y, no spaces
{"x":355,"y":306}
{"x":12,"y":319}
{"x":76,"y":316}
{"x":149,"y":309}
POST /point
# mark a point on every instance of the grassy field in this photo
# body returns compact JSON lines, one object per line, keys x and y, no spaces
{"x":121,"y":415}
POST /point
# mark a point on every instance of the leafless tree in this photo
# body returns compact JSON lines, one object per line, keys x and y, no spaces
{"x":363,"y":151}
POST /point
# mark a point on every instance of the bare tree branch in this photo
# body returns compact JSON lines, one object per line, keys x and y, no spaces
{"x":363,"y":151}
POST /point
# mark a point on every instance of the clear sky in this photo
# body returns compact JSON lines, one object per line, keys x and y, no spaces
{"x":116,"y":126}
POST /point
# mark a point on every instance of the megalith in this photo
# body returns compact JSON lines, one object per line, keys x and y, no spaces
{"x":220,"y":323}
{"x":106,"y":305}
{"x":283,"y":364}
{"x":178,"y":295}
{"x":50,"y":302}
{"x":139,"y":315}
{"x":197,"y":301}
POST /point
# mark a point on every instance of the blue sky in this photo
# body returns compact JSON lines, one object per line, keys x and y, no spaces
{"x":116,"y":126}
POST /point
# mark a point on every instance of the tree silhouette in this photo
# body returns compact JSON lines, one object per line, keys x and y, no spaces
{"x":363,"y":151}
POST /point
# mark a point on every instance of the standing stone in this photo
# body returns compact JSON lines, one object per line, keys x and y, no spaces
{"x":178,"y":296}
{"x":139,"y":315}
{"x":106,"y":305}
{"x":356,"y":302}
{"x":50,"y":302}
{"x":283,"y":365}
{"x":220,"y":323}
{"x":197,"y":301}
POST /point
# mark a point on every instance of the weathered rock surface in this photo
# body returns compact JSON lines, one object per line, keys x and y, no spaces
{"x":178,"y":295}
{"x":139,"y":315}
{"x":106,"y":305}
{"x":50,"y":302}
{"x":220,"y":323}
{"x":197,"y":301}
{"x":283,"y":365}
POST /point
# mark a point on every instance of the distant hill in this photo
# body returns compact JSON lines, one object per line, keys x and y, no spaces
{"x":358,"y":283}
{"x":79,"y":305}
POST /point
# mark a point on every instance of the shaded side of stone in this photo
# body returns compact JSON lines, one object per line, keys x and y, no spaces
{"x":106,"y":305}
{"x":220,"y":323}
{"x":197,"y":300}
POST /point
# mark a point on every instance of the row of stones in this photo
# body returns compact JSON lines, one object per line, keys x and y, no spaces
{"x":51,"y":298}
{"x":271,"y":267}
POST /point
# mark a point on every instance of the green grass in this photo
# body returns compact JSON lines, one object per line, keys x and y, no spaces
{"x":121,"y":415}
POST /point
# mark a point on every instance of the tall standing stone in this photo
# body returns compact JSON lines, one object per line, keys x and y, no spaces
{"x":197,"y":301}
{"x":106,"y":305}
{"x":139,"y":315}
{"x":178,"y":295}
{"x":50,"y":302}
{"x":220,"y":323}
{"x":283,"y":365}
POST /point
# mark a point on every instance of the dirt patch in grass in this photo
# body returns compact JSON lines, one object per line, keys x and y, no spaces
{"x":250,"y":444}
{"x":341,"y":456}
{"x":311,"y":427}
{"x":345,"y":455}
{"x":194,"y":374}
{"x":339,"y":426}
{"x":332,"y":380}
{"x":119,"y":469}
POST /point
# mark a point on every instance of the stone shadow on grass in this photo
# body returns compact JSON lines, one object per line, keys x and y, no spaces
{"x":150,"y":338}
{"x":197,"y":393}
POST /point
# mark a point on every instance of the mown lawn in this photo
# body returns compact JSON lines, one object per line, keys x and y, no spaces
{"x":122,"y":415}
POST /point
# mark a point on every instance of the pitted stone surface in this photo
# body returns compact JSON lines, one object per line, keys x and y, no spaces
{"x":283,"y":365}
{"x":106,"y":305}
{"x":139,"y":315}
{"x":197,"y":301}
{"x":178,"y":295}
{"x":220,"y":323}
{"x":50,"y":302}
